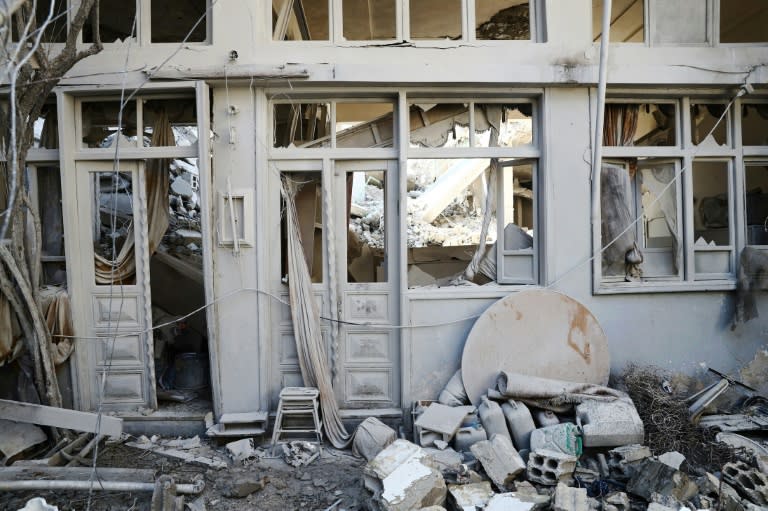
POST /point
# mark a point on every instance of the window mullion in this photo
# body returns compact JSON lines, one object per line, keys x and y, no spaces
{"x":688,"y":222}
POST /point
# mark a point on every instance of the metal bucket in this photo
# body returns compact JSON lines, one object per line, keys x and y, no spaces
{"x":191,"y":371}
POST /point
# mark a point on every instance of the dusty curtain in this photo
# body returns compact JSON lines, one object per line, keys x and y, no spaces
{"x":124,"y":267}
{"x":616,"y":190}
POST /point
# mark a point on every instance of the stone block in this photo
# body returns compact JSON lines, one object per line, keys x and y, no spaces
{"x":509,"y":502}
{"x":673,"y":458}
{"x":609,"y":423}
{"x":394,"y":455}
{"x":412,"y":485}
{"x":618,"y":499}
{"x":652,"y":476}
{"x":550,"y":467}
{"x":570,"y":499}
{"x":628,"y":454}
{"x":469,"y":496}
{"x":500,"y":460}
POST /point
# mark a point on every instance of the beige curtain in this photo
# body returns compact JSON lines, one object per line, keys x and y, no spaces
{"x":123,"y":269}
{"x":58,"y":318}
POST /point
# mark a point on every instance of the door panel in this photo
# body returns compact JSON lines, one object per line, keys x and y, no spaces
{"x":110,"y":288}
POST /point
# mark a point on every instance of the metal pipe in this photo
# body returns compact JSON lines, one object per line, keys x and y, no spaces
{"x":597,"y":154}
{"x":192,"y":489}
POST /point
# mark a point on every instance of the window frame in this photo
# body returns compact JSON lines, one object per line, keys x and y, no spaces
{"x":686,"y":153}
{"x":537,"y":24}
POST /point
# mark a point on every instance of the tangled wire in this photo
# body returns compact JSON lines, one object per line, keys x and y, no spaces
{"x":667,"y":423}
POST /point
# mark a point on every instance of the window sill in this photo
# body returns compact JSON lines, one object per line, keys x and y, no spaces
{"x":617,"y":288}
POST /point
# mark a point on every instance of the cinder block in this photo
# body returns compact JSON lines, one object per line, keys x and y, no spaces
{"x":550,"y":467}
{"x":748,"y":481}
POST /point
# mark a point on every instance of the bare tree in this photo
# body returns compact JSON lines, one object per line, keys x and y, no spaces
{"x":30,"y":68}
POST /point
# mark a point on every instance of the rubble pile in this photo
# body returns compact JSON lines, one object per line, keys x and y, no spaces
{"x":591,"y":454}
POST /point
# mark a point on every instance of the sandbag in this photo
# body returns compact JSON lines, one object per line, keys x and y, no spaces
{"x":371,"y":437}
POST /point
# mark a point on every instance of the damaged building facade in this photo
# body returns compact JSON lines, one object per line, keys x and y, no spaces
{"x":441,"y":152}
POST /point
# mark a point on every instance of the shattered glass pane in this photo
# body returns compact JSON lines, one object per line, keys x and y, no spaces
{"x":704,"y":116}
{"x":306,"y":20}
{"x":302,"y":125}
{"x":743,"y":21}
{"x":51,"y":225}
{"x":364,"y":124}
{"x":181,"y":114}
{"x":113,"y":232}
{"x":627,"y":25}
{"x":711,"y":202}
{"x":439,"y":125}
{"x":445,"y":205}
{"x":100,"y":123}
{"x":435,"y":19}
{"x":513,"y":123}
{"x":46,"y":128}
{"x":756,"y":177}
{"x":754,"y":123}
{"x":116,"y":21}
{"x":503,"y":19}
{"x":309,"y":210}
{"x":366,"y":235}
{"x":369,"y":21}
{"x":172,"y":21}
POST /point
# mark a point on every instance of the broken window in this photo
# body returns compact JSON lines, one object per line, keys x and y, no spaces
{"x":439,"y":125}
{"x":369,"y":21}
{"x":754,"y":124}
{"x":309,"y":212}
{"x":712,"y":218}
{"x":364,"y":124}
{"x":756,"y":198}
{"x":301,"y":125}
{"x":514,"y":124}
{"x":300,"y":20}
{"x":102,"y":122}
{"x":635,"y":124}
{"x":113,"y":228}
{"x":179,"y":113}
{"x":452,"y":216}
{"x":627,"y":21}
{"x":366,"y":206}
{"x":55,"y":30}
{"x":743,"y":21}
{"x":704,"y":117}
{"x":116,"y":21}
{"x":174,"y":22}
{"x":641,"y":219}
{"x":436,"y":19}
{"x":48,"y":184}
{"x":503,"y":19}
{"x":46,"y":128}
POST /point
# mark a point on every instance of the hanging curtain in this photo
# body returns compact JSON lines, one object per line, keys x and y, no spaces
{"x":123,"y":269}
{"x":616,"y":200}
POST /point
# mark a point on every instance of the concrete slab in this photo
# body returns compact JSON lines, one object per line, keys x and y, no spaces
{"x":17,"y":437}
{"x":442,"y":419}
{"x":539,"y":333}
{"x":500,"y":460}
{"x":509,"y":502}
{"x":413,"y":485}
{"x":570,"y":499}
{"x":470,"y":496}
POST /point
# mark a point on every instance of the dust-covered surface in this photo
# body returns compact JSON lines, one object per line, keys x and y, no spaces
{"x":333,"y":476}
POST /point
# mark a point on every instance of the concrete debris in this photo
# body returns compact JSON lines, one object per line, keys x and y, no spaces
{"x":241,"y":487}
{"x":712,"y":487}
{"x":440,"y":444}
{"x":153,"y":444}
{"x":242,"y":450}
{"x":18,"y":438}
{"x":570,"y":499}
{"x":761,"y":460}
{"x":628,"y":454}
{"x":551,"y":467}
{"x":469,"y":496}
{"x":441,"y":418}
{"x":740,"y":441}
{"x":653,"y":506}
{"x":446,"y":459}
{"x":299,"y":453}
{"x":510,"y":502}
{"x":500,"y":460}
{"x":618,"y":501}
{"x":38,"y":504}
{"x":196,"y":505}
{"x":673,"y":458}
{"x":564,"y":438}
{"x":747,"y":481}
{"x":609,"y":423}
{"x":653,"y":476}
{"x":371,"y":437}
{"x":402,"y":477}
{"x":184,"y":444}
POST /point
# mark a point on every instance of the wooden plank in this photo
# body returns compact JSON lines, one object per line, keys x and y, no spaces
{"x":60,"y":418}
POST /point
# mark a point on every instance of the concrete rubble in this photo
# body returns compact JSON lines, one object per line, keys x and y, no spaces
{"x":500,"y":460}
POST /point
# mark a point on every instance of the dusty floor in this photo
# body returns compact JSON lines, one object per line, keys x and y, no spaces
{"x":335,"y":475}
